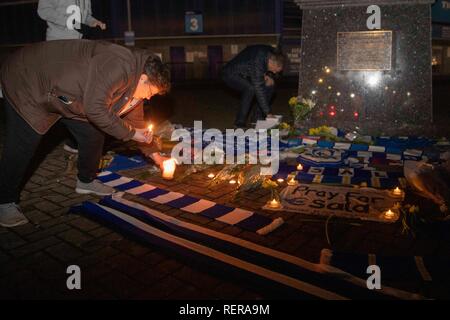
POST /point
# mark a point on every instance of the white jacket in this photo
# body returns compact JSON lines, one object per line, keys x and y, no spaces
{"x":55,"y":13}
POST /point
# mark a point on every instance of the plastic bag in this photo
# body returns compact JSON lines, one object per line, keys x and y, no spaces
{"x":433,"y":182}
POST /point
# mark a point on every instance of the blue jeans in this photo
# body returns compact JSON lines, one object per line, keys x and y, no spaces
{"x":247,"y":90}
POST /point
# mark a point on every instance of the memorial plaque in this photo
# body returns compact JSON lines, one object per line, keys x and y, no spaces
{"x":364,"y":51}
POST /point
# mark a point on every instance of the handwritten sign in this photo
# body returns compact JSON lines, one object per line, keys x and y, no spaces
{"x":360,"y":203}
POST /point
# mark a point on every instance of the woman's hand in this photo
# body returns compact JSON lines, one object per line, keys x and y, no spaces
{"x":99,"y":24}
{"x":143,"y":135}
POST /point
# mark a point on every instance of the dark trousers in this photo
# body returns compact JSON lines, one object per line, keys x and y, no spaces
{"x":20,"y":145}
{"x":247,"y":90}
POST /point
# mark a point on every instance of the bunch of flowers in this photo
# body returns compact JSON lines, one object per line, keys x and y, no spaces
{"x":301,"y":108}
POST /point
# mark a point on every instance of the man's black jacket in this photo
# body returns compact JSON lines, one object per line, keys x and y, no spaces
{"x":251,"y":64}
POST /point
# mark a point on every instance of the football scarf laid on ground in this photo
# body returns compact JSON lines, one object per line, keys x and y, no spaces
{"x":229,"y":255}
{"x":247,"y":220}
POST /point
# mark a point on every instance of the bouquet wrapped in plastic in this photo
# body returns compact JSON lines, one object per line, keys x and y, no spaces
{"x":431,"y":181}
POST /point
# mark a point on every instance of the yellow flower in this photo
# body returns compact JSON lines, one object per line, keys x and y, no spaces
{"x":414,"y":209}
{"x":269,"y":184}
{"x":293,"y":101}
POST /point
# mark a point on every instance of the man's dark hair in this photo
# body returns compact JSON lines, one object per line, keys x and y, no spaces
{"x":158,"y":74}
{"x":277,"y":56}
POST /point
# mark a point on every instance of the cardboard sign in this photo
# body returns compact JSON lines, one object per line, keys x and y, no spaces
{"x":359,"y":203}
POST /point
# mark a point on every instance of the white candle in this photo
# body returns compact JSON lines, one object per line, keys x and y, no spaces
{"x":274,"y":204}
{"x":389,"y":214}
{"x":211,"y":175}
{"x":280,"y":180}
{"x":299,"y":167}
{"x":397,"y":192}
{"x":232,"y":181}
{"x":169,"y":167}
{"x":292,"y":181}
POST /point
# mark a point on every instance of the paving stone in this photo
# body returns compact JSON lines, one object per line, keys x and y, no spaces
{"x":188,"y":292}
{"x":99,"y":232}
{"x":42,"y":233}
{"x":161,"y":290}
{"x":64,"y":252}
{"x":47,"y":206}
{"x":63,"y":190}
{"x":35,"y":246}
{"x":55,"y":198}
{"x":126,"y":264}
{"x":119,"y":285}
{"x":84,"y":224}
{"x":10,"y":240}
{"x":228,"y":290}
{"x":198,"y":279}
{"x":75,"y":237}
{"x":152,"y":258}
{"x":98,"y":257}
{"x":132,"y":248}
{"x":37,"y":217}
{"x":26,"y":229}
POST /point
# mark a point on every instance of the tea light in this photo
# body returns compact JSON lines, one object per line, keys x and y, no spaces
{"x":389,"y":215}
{"x":274,"y":203}
{"x":232,"y":181}
{"x":292,"y":181}
{"x":299,"y":167}
{"x":169,"y":167}
{"x":280,"y":180}
{"x":397,"y":192}
{"x":211,"y":175}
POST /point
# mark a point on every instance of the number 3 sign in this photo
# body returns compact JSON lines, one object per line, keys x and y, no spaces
{"x":193,"y":22}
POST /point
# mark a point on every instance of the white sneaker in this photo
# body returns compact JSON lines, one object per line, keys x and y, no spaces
{"x":95,"y":187}
{"x":11,"y":215}
{"x":70,"y":149}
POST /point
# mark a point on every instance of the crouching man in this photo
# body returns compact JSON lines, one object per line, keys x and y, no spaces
{"x":252,"y":73}
{"x":93,"y":88}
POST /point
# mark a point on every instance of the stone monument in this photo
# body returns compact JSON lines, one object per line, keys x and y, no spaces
{"x":367,"y":64}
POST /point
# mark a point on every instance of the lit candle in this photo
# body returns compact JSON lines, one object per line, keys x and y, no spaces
{"x":292,"y":181}
{"x":389,"y":214}
{"x":232,"y":181}
{"x":211,"y":175}
{"x":274,"y":204}
{"x":397,"y":192}
{"x":280,"y":180}
{"x":299,"y":167}
{"x":169,"y":167}
{"x":150,"y":127}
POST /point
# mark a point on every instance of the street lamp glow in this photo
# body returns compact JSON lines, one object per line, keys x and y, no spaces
{"x":373,"y":79}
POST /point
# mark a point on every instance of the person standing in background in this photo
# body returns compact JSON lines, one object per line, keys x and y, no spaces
{"x":56,"y":13}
